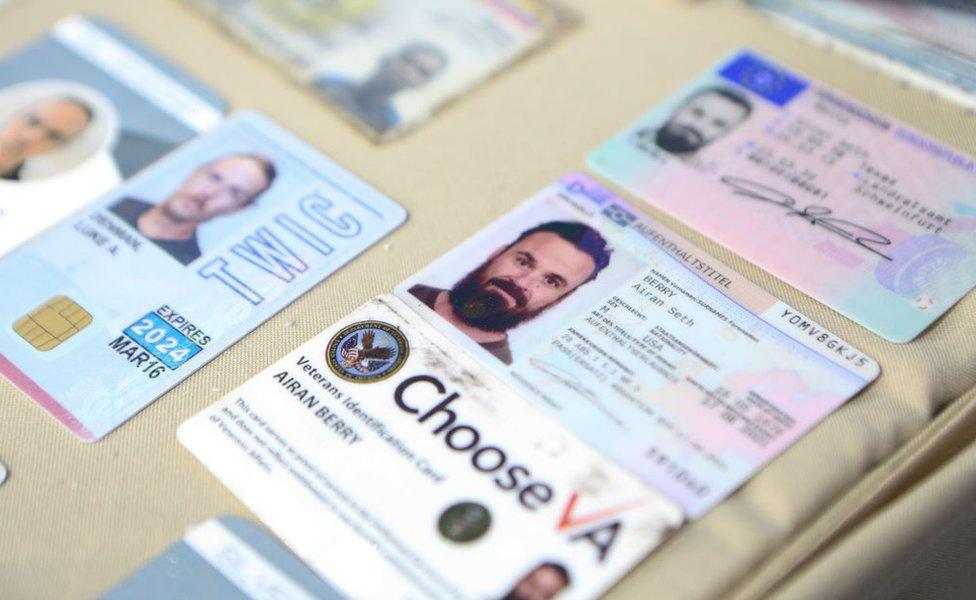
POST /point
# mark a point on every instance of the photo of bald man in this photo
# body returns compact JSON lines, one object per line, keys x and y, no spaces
{"x":224,"y":186}
{"x":44,"y":126}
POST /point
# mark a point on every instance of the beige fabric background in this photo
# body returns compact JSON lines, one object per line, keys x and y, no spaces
{"x":920,"y":546}
{"x":76,"y":518}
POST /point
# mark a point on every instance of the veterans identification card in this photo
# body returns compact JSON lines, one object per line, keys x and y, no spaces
{"x":398,"y":467}
{"x":651,"y":350}
{"x":389,"y":64}
{"x":866,"y":215}
{"x":113,"y":306}
{"x":80,"y":110}
{"x":227,"y":558}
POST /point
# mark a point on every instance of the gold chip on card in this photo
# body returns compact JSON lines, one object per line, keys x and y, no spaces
{"x":53,"y":322}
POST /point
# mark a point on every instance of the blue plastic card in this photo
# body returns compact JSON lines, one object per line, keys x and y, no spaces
{"x":224,"y":558}
{"x":125,"y":299}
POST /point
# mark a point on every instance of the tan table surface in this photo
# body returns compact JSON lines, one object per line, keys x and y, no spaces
{"x":76,"y":518}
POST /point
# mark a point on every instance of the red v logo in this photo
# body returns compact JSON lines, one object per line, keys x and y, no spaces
{"x":569,"y":520}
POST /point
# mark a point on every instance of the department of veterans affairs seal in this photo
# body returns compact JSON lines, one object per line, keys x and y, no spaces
{"x":367,"y":351}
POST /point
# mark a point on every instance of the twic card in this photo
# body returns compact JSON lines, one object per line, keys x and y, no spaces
{"x":861,"y":212}
{"x":397,"y":467}
{"x":120,"y":302}
{"x":651,"y":350}
{"x":82,"y":109}
{"x":389,"y":64}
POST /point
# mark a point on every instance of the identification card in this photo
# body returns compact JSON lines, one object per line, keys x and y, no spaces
{"x":80,"y":110}
{"x":125,"y":299}
{"x":227,"y":558}
{"x":861,"y":212}
{"x":397,"y":467}
{"x":387,"y":65}
{"x":930,"y":44}
{"x":652,"y":351}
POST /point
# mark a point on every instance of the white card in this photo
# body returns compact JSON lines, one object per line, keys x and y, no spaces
{"x":396,"y":466}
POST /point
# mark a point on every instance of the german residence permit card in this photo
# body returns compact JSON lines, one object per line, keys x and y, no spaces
{"x":861,"y":212}
{"x":387,"y":65}
{"x":82,"y":109}
{"x":126,"y":298}
{"x":681,"y":370}
{"x":224,"y":558}
{"x":396,"y":466}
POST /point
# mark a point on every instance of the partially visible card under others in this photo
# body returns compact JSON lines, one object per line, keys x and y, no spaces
{"x":930,"y":43}
{"x":652,"y":351}
{"x":112,"y":307}
{"x":398,"y":467}
{"x":868,"y":216}
{"x":227,"y":558}
{"x":388,"y":65}
{"x":82,"y":109}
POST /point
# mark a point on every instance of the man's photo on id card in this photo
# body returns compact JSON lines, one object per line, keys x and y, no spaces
{"x":175,"y":219}
{"x":524,"y":278}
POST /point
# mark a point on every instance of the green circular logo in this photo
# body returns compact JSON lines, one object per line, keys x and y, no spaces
{"x":464,"y":522}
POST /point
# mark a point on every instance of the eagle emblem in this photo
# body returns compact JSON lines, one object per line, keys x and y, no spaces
{"x":358,"y":352}
{"x":367,"y":351}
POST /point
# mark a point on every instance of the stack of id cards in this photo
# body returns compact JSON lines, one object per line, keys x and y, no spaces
{"x":531,"y":414}
{"x":82,"y":109}
{"x":127,"y":297}
{"x":388,"y":65}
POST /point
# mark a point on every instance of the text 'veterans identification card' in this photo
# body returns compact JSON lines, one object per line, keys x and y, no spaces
{"x":861,"y":212}
{"x":81,"y":109}
{"x":398,"y":467}
{"x":651,"y":350}
{"x":118,"y":303}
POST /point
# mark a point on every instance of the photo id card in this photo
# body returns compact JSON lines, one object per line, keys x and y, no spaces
{"x":227,"y":558}
{"x":652,"y":351}
{"x":866,"y":215}
{"x":126,"y":298}
{"x":82,"y":109}
{"x":396,"y":466}
{"x":387,"y":65}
